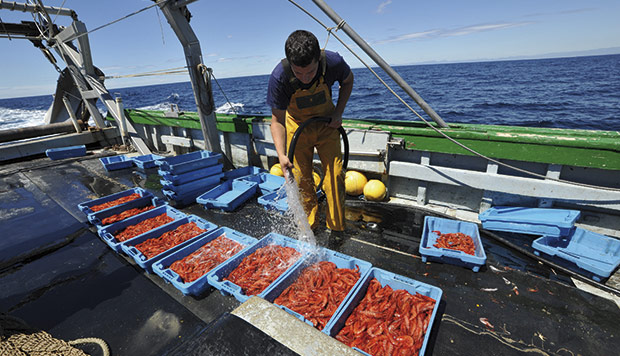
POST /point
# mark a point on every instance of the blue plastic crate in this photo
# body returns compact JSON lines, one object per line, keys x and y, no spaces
{"x":66,"y":152}
{"x":178,"y":179}
{"x":85,"y":206}
{"x":217,"y":275}
{"x":274,"y":201}
{"x":97,"y":218}
{"x":185,"y":198}
{"x":188,"y":162}
{"x":278,"y":200}
{"x":107,"y":233}
{"x":395,"y":282}
{"x":129,"y":246}
{"x":228,"y":195}
{"x":192,"y":186}
{"x":455,"y":257}
{"x":323,"y":254}
{"x":146,"y":161}
{"x":113,"y":163}
{"x":162,"y":266}
{"x":267,"y":183}
{"x":594,"y":255}
{"x":534,"y":221}
{"x":243,"y":172}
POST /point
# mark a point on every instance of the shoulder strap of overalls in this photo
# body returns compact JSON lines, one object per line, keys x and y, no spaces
{"x":293,"y":81}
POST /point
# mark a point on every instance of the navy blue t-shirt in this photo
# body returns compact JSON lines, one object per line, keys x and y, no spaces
{"x":280,"y":90}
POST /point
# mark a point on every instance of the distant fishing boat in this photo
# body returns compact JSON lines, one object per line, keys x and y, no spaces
{"x":542,"y":206}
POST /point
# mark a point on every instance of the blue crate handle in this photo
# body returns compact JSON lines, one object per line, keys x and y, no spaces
{"x":343,"y":256}
{"x":295,"y":314}
{"x":406,"y":280}
{"x":231,"y":288}
{"x":169,"y":273}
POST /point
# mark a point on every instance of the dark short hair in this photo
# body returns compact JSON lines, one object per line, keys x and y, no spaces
{"x":302,"y":48}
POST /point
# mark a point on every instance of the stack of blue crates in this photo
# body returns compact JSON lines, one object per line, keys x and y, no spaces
{"x":187,"y":176}
{"x":588,"y":253}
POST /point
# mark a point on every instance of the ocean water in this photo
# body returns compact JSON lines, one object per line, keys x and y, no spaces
{"x":576,"y":92}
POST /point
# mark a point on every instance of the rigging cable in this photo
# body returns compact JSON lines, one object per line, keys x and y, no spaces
{"x":157,"y":3}
{"x":4,"y":28}
{"x":223,"y":93}
{"x":329,"y":30}
{"x":177,"y":70}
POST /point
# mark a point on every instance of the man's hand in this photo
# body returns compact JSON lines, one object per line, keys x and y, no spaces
{"x":336,"y":121}
{"x":286,"y":165}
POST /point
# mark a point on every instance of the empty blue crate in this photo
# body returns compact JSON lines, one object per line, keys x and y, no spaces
{"x":188,"y":162}
{"x":161,"y":267}
{"x":129,"y":246}
{"x":107,"y":233}
{"x":395,"y":282}
{"x":228,"y":196}
{"x":113,"y":163}
{"x":98,"y":217}
{"x":267,"y":183}
{"x":277,"y":200}
{"x":533,"y":221}
{"x":243,"y":172}
{"x":455,"y":257}
{"x":594,"y":255}
{"x":179,"y":179}
{"x":192,"y":186}
{"x":322,"y":254}
{"x":185,"y":198}
{"x":218,"y":275}
{"x":66,"y":152}
{"x":85,"y":206}
{"x":146,"y":161}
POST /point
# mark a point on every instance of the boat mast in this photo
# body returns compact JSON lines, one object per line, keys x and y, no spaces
{"x":380,"y":62}
{"x":178,"y":17}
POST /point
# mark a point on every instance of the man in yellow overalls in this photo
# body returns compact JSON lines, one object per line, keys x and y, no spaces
{"x":300,"y":89}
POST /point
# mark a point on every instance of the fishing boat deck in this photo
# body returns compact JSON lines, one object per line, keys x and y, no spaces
{"x":57,"y":275}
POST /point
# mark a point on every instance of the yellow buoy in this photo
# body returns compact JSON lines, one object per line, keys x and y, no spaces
{"x":276,"y":170}
{"x":354,"y":183}
{"x":374,"y":190}
{"x":317,"y":179}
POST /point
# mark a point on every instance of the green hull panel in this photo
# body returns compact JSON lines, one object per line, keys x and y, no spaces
{"x":582,"y":148}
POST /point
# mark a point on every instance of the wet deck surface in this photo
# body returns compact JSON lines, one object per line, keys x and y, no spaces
{"x":71,"y":284}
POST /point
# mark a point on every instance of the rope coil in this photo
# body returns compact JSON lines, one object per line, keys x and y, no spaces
{"x":18,"y":338}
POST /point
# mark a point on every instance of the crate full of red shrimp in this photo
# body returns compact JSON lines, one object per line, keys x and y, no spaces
{"x":187,"y":268}
{"x":452,"y":241}
{"x":315,"y":289}
{"x":387,"y":314}
{"x":253,"y":270}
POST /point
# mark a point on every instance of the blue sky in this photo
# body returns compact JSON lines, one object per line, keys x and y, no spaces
{"x":246,"y":37}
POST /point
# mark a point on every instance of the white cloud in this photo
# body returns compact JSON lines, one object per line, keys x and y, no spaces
{"x":481,"y":28}
{"x":382,"y":6}
{"x":410,"y":36}
{"x":452,"y":32}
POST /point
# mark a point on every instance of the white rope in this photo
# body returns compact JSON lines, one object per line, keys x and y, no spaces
{"x":209,"y":71}
{"x":335,"y":28}
{"x":439,"y":131}
{"x":105,"y":349}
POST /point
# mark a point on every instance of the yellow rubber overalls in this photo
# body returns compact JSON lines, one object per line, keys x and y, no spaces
{"x":305,"y":104}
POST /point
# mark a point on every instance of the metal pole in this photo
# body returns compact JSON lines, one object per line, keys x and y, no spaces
{"x":36,"y":131}
{"x":121,"y":114}
{"x":36,"y":8}
{"x":380,"y":62}
{"x":178,"y":18}
{"x":71,"y":114}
